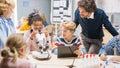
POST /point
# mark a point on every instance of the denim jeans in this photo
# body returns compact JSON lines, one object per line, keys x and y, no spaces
{"x":112,"y":47}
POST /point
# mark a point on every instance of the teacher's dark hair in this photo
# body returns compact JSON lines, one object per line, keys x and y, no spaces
{"x":88,"y":5}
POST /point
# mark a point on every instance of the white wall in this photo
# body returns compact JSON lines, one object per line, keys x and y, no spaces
{"x":111,"y":5}
{"x":25,"y":7}
{"x":107,"y":5}
{"x":74,"y":6}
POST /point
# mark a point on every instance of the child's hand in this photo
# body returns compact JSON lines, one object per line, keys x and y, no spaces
{"x":45,"y":32}
{"x":33,"y":34}
{"x":78,"y":52}
{"x":103,"y":57}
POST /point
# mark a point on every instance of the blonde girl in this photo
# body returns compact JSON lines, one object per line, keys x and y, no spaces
{"x":14,"y":53}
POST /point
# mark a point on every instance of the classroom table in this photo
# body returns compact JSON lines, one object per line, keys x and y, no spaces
{"x":55,"y":62}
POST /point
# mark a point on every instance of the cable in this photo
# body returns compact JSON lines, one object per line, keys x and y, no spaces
{"x":72,"y":65}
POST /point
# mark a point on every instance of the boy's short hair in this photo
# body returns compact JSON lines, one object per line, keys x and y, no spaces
{"x":69,"y":25}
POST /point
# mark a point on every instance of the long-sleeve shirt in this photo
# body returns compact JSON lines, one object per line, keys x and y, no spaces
{"x":6,"y":28}
{"x":32,"y":43}
{"x":112,"y":46}
{"x":92,"y":28}
{"x":20,"y":63}
{"x":75,"y":41}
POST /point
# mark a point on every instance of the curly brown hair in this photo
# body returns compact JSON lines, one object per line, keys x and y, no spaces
{"x":34,"y":16}
{"x":88,"y":5}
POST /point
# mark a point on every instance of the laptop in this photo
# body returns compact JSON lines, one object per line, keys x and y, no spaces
{"x":67,"y":51}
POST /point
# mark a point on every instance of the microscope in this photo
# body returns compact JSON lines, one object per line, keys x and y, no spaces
{"x":43,"y":53}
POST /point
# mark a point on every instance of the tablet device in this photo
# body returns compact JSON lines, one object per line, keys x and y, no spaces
{"x":67,"y":51}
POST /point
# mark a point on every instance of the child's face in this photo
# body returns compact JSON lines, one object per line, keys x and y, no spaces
{"x":66,"y":33}
{"x":37,"y":25}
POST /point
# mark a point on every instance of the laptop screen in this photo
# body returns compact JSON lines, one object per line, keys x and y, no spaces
{"x":67,"y":51}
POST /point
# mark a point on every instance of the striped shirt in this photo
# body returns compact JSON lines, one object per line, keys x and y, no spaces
{"x":75,"y":41}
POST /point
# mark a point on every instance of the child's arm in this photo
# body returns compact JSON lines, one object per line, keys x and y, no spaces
{"x":115,"y":58}
{"x":103,"y":57}
{"x":80,"y":51}
{"x":111,"y":58}
{"x":108,"y":48}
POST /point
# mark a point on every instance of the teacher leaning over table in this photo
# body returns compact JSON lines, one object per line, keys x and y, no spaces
{"x":92,"y":20}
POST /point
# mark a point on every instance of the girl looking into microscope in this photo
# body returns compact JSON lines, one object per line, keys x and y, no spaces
{"x":36,"y":23}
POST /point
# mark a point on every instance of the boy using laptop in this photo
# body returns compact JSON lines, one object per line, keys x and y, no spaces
{"x":68,"y":38}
